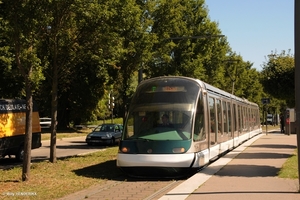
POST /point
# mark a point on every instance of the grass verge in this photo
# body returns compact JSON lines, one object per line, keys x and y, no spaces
{"x":55,"y":180}
{"x":46,"y":136}
{"x":290,"y":168}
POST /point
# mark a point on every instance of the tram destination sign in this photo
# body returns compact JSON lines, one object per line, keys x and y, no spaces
{"x":265,"y":100}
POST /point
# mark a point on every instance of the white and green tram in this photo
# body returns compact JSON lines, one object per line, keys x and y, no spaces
{"x":205,"y":122}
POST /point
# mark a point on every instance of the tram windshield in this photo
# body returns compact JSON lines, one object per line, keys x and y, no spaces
{"x":162,"y":109}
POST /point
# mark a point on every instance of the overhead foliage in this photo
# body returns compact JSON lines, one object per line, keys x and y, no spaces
{"x":98,"y":46}
{"x":278,"y":76}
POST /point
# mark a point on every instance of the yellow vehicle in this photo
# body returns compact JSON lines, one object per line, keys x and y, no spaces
{"x":12,"y":128}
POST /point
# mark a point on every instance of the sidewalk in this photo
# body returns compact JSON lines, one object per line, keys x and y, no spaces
{"x":248,"y":172}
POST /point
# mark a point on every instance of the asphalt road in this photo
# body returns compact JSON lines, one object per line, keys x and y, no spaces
{"x":64,"y":147}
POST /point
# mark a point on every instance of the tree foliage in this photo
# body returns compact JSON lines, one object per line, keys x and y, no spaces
{"x":88,"y":48}
{"x":22,"y":27}
{"x":278,"y":76}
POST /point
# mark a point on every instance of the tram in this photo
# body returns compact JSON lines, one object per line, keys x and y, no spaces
{"x":203,"y":123}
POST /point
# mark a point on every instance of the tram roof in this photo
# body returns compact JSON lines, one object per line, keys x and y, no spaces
{"x":211,"y":89}
{"x":219,"y":92}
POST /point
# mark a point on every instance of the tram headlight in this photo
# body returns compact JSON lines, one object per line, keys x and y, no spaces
{"x":179,"y":150}
{"x":125,"y":149}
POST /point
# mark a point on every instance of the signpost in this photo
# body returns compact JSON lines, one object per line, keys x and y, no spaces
{"x":265,"y":101}
{"x":111,"y":105}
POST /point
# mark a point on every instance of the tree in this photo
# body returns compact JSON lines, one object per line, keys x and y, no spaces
{"x":11,"y":81}
{"x":22,"y":32}
{"x":189,"y":44}
{"x":59,"y":23}
{"x":278,"y":76}
{"x":82,"y":48}
{"x":131,"y":22}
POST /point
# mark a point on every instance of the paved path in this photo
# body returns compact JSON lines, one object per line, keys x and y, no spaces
{"x":250,"y":172}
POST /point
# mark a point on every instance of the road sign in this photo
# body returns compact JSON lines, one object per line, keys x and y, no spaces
{"x":265,"y":100}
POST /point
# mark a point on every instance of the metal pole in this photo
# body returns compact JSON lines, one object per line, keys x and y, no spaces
{"x":233,"y":78}
{"x":266,"y":113}
{"x":297,"y":74}
{"x":140,"y":74}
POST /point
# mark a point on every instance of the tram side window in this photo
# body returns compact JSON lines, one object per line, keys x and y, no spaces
{"x":219,"y":116}
{"x":247,"y":119}
{"x":213,"y":123}
{"x":256,"y":118}
{"x":225,"y":117}
{"x":244,"y":109}
{"x":252,"y":119}
{"x":234,"y":122}
{"x":240,"y":119}
{"x":229,"y":116}
{"x":199,"y":130}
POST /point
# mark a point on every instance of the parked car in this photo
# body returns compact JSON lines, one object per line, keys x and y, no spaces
{"x":45,"y":122}
{"x":109,"y":134}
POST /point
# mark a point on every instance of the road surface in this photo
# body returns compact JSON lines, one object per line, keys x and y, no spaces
{"x":64,"y":147}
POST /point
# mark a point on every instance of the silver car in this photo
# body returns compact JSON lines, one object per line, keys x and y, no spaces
{"x":45,"y":122}
{"x":107,"y":134}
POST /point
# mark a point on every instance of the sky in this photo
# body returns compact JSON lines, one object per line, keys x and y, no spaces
{"x":255,"y":28}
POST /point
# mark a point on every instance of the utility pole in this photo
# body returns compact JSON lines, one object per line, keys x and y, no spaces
{"x":265,"y":102}
{"x":297,"y":74}
{"x":234,"y":76}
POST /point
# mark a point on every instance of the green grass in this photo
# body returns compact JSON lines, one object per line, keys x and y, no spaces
{"x":270,"y":127}
{"x":66,"y":133}
{"x":46,"y":136}
{"x":67,"y":176}
{"x":77,"y":132}
{"x":290,"y":168}
{"x":115,"y":120}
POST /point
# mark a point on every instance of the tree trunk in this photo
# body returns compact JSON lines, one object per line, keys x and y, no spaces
{"x":28,"y":120}
{"x":54,"y":105}
{"x":28,"y":133}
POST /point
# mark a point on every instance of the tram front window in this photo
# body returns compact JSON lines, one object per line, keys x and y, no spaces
{"x":172,"y":97}
{"x":159,"y":125}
